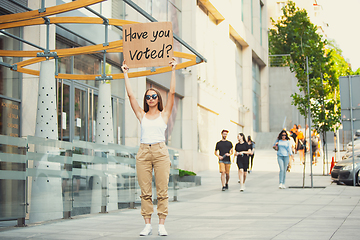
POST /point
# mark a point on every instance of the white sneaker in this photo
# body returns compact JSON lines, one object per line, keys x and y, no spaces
{"x":161,"y":230}
{"x":242,"y":187}
{"x":147,"y":230}
{"x":281,"y":186}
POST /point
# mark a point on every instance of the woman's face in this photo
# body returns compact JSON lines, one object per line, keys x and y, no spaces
{"x":240,"y":138}
{"x":150,"y":95}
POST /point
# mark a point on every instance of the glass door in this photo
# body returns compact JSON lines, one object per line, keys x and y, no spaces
{"x":63,"y":109}
{"x":80,"y":114}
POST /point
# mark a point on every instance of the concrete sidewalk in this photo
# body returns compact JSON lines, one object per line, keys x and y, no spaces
{"x":262,"y":211}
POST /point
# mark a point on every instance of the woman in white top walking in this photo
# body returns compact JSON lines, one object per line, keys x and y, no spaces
{"x":153,"y":153}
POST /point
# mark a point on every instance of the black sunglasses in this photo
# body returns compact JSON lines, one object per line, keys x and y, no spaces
{"x":148,"y":97}
{"x":283,"y":135}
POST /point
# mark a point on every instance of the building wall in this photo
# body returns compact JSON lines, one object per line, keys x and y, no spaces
{"x":224,"y":84}
{"x":283,"y":113}
{"x":220,"y":89}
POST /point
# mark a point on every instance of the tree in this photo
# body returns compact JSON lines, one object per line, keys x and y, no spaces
{"x":294,"y":34}
{"x":357,"y":72}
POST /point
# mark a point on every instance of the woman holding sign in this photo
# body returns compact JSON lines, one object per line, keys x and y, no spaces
{"x":153,"y":153}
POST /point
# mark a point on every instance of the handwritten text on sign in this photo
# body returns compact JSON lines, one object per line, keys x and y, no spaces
{"x":148,"y":44}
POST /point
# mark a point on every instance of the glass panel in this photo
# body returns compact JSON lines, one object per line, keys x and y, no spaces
{"x":256,"y":95}
{"x":92,"y":115}
{"x":49,"y":172}
{"x":86,"y":64}
{"x":68,"y":179}
{"x":175,"y":17}
{"x":10,"y":118}
{"x":91,"y":177}
{"x":64,"y":64}
{"x":64,"y":111}
{"x":118,"y":108}
{"x":12,"y":177}
{"x":123,"y":167}
{"x":80,"y":115}
{"x":95,"y":104}
{"x":174,"y":173}
{"x":10,"y":80}
{"x":159,"y":10}
{"x":133,"y":15}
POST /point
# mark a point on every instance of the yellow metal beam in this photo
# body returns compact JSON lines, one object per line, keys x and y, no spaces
{"x":49,"y":11}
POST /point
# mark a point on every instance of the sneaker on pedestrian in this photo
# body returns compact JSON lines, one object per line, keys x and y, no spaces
{"x":283,"y":186}
{"x":161,"y":230}
{"x":238,"y":181}
{"x":280,"y":185}
{"x":242,"y":187}
{"x":223,"y":188}
{"x":226,"y":186}
{"x":147,"y":230}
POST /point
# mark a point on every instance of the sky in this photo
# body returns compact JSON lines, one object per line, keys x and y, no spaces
{"x":343,"y":18}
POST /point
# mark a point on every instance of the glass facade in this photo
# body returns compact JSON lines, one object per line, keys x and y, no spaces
{"x":10,"y":90}
{"x":57,"y":179}
{"x":44,"y":179}
{"x":77,"y":100}
{"x":256,"y":83}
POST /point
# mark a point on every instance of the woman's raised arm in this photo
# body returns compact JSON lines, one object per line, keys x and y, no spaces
{"x":139,"y":112}
{"x":171,"y":97}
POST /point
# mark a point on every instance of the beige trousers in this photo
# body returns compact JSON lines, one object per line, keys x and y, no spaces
{"x":149,"y":157}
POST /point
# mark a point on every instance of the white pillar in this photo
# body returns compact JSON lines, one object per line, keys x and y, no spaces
{"x":105,"y":135}
{"x":46,"y":197}
{"x":104,"y":122}
{"x":46,"y":118}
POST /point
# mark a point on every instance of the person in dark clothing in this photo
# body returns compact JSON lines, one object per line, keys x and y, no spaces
{"x":242,"y":151}
{"x":251,"y":156}
{"x":223,"y":150}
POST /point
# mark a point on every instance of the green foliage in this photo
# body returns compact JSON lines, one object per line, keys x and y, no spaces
{"x":294,"y":34}
{"x":186,"y":173}
{"x":357,"y":72}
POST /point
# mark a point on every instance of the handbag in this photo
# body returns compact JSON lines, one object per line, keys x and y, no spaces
{"x":276,"y":147}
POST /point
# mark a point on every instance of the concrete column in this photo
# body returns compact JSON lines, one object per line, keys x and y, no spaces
{"x":104,"y":135}
{"x":247,"y":89}
{"x":265,"y":100}
{"x":46,"y":118}
{"x":46,"y":200}
{"x":104,"y":122}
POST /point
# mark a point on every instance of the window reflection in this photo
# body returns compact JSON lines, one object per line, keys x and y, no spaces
{"x":63,"y":93}
{"x":9,"y":80}
{"x":80,"y":115}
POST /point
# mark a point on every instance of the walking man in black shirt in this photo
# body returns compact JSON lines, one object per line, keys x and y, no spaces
{"x":223,"y":150}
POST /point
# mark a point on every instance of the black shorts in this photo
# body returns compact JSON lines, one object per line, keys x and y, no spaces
{"x":244,"y":164}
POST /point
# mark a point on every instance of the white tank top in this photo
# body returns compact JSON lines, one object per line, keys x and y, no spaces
{"x":152,"y":131}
